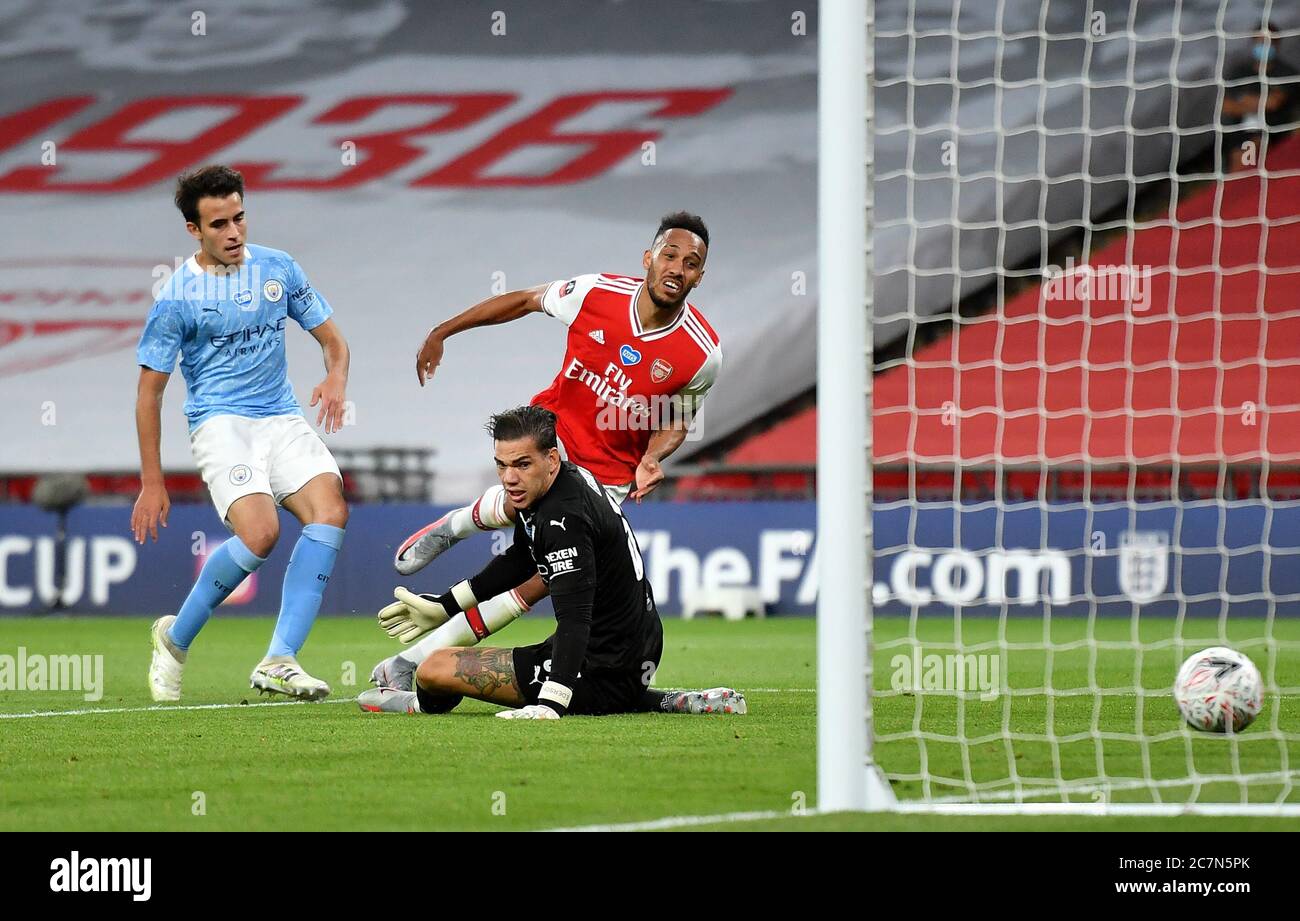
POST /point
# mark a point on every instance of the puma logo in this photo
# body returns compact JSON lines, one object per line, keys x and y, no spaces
{"x":537,"y":673}
{"x":560,"y":524}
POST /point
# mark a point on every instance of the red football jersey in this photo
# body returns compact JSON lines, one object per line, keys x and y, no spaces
{"x":618,"y":379}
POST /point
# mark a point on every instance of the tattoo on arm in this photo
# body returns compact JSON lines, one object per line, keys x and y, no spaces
{"x":487,"y":670}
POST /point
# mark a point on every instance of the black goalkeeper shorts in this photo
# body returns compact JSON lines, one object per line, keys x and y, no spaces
{"x":597,"y":692}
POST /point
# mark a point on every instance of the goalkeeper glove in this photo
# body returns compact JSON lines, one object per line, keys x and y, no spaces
{"x":552,"y":702}
{"x":411,"y":616}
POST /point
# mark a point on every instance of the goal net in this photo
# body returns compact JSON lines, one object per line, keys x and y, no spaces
{"x":1085,"y":438}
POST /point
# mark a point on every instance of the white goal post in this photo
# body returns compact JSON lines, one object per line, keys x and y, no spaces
{"x":1004,"y":639}
{"x":844,"y":780}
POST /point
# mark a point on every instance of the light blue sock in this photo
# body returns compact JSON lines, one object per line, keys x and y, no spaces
{"x":226,"y":567}
{"x":304,"y":584}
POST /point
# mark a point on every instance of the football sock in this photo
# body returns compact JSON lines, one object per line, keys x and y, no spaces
{"x":223,"y":571}
{"x":487,"y":513}
{"x":653,"y":701}
{"x":433,"y":702}
{"x":469,"y":626}
{"x":304,"y":584}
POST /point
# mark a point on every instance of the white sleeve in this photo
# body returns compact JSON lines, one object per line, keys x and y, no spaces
{"x":693,"y":393}
{"x":563,"y":299}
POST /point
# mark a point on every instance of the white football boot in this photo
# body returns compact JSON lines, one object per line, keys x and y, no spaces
{"x":283,"y":675}
{"x":420,"y":549}
{"x":388,"y":700}
{"x":168,"y":663}
{"x":394,"y":672}
{"x":714,"y":700}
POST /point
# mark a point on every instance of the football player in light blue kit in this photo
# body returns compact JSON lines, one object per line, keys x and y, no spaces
{"x":224,"y":313}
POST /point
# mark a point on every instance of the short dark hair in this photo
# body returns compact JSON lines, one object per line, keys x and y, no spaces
{"x":683,"y":220}
{"x":206,"y":182}
{"x":524,"y":422}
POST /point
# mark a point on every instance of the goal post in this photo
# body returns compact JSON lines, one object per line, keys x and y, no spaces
{"x":1058,"y":404}
{"x":843,"y":410}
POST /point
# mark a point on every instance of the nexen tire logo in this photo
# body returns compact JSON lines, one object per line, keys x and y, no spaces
{"x":961,"y":577}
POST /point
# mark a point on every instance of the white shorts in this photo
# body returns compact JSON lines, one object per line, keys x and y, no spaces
{"x":617,"y":493}
{"x":239,"y":456}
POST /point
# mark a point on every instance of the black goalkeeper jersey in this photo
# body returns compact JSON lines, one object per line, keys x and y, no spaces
{"x":576,"y":537}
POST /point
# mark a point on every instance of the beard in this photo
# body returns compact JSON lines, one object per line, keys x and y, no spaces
{"x":659,"y":302}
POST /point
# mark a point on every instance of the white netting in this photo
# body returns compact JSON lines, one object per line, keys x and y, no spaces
{"x":1087,"y":398}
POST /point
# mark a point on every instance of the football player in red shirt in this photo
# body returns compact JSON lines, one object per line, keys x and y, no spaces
{"x":638,"y":362}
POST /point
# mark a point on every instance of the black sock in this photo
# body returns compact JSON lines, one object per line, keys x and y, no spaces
{"x":433,"y":702}
{"x":652,"y":701}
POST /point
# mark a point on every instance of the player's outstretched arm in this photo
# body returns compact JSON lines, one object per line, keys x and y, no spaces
{"x":331,"y":392}
{"x":499,"y":309}
{"x":411,"y":616}
{"x":152,"y":506}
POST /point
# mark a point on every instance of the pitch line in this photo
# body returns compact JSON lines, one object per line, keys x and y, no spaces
{"x":684,"y":821}
{"x":957,"y":804}
{"x":163,"y":708}
{"x":1038,"y":791}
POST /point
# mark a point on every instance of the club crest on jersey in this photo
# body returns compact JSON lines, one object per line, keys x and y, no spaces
{"x":598,"y":335}
{"x":273,"y":291}
{"x":660,"y":371}
{"x":243,"y":298}
{"x":629,"y":356}
{"x":240,"y":474}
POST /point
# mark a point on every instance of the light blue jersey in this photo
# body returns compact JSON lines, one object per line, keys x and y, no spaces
{"x":229,"y":333}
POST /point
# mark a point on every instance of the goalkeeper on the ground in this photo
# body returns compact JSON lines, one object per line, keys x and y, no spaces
{"x":608,"y":639}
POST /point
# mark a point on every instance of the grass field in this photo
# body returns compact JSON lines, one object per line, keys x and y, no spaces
{"x":257,"y":766}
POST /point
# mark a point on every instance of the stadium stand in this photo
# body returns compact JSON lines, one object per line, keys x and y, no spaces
{"x":1155,"y":371}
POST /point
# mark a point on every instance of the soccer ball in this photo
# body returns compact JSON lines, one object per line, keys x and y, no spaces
{"x":1219,"y":690}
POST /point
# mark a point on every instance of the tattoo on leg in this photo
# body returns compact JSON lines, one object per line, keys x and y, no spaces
{"x":487,"y":670}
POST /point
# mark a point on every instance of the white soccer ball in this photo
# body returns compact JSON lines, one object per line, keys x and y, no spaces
{"x":1219,"y":690}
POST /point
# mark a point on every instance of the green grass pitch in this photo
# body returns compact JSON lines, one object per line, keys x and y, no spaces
{"x":328,"y":766}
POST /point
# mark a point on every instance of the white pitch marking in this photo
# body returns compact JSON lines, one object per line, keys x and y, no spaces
{"x":163,"y":708}
{"x":998,"y":796}
{"x":683,"y":821}
{"x":955,"y":806}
